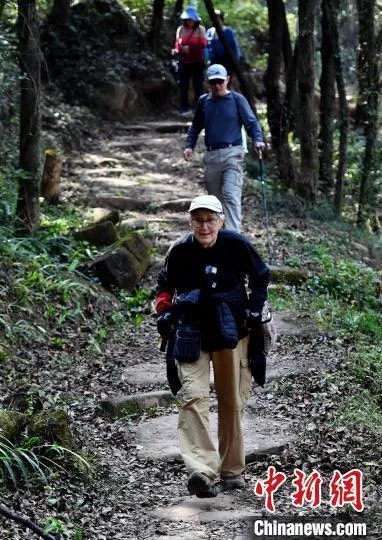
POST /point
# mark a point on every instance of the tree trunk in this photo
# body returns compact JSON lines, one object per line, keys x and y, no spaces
{"x":60,"y":10}
{"x":291,"y":94}
{"x":343,"y":110}
{"x":156,"y":24}
{"x":290,"y":63}
{"x":307,"y":183}
{"x":327,"y":86}
{"x":51,"y":176}
{"x":178,"y":7}
{"x":370,"y":112}
{"x":366,"y":188}
{"x":28,"y":209}
{"x":2,"y":6}
{"x":277,"y":112}
{"x":366,"y":13}
{"x":236,"y":68}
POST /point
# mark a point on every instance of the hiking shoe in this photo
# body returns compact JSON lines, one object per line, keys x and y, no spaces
{"x":232,"y":482}
{"x":200,"y":485}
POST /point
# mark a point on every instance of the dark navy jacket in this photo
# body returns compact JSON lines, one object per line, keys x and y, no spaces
{"x":237,"y":264}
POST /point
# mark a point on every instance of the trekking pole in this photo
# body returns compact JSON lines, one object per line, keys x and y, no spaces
{"x":262,"y":180}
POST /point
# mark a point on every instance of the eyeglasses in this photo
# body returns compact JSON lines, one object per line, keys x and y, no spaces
{"x":217,"y":81}
{"x":198,"y":223}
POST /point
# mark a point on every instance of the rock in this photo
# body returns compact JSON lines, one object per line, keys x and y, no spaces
{"x":376,"y":253}
{"x":99,"y":234}
{"x":132,"y":224}
{"x":139,"y":247}
{"x":176,"y":205}
{"x":125,"y":265}
{"x":136,"y":403}
{"x":362,"y":249}
{"x":289,"y":323}
{"x":288,"y":275}
{"x":52,"y":426}
{"x":116,"y":96}
{"x":12,"y":424}
{"x":118,"y":268}
{"x":122,"y":203}
{"x":103,"y":214}
{"x":155,"y":90}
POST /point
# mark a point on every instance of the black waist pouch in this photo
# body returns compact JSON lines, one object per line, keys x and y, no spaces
{"x":187,"y":342}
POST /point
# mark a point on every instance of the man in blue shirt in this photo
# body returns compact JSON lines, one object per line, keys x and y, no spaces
{"x":222,"y":113}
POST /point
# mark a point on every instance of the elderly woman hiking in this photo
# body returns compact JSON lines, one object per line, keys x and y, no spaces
{"x":206,"y":314}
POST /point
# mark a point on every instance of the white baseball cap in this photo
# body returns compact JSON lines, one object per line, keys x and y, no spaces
{"x":216,"y":71}
{"x":208,"y":202}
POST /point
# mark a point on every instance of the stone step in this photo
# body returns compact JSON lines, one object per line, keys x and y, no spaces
{"x":156,"y":438}
{"x":159,"y":127}
{"x":134,"y":143}
{"x":290,"y":323}
{"x":136,"y":203}
{"x":221,"y":508}
{"x":133,"y":403}
{"x":287,"y":323}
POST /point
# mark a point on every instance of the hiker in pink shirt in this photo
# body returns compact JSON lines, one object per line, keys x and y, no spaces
{"x":190,"y":45}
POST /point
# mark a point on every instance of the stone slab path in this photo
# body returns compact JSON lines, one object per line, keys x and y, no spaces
{"x":112,"y":178}
{"x":156,"y":438}
{"x":193,"y":509}
{"x":265,"y":434}
{"x":153,"y":372}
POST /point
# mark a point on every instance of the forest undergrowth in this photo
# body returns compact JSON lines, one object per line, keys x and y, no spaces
{"x":63,"y":347}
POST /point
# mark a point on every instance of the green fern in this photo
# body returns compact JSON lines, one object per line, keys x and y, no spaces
{"x":32,"y":459}
{"x":19,"y":461}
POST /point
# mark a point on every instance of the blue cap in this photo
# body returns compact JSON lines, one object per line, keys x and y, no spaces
{"x":190,"y":13}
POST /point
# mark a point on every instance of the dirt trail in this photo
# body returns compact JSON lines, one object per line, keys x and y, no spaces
{"x":145,"y":163}
{"x":139,"y":491}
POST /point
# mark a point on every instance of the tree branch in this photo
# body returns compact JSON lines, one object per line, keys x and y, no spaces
{"x":25,"y":523}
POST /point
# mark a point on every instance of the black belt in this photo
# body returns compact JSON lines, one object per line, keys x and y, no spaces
{"x":221,"y":146}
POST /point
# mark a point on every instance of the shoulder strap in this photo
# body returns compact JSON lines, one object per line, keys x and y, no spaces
{"x":202,"y":101}
{"x":236,"y":100}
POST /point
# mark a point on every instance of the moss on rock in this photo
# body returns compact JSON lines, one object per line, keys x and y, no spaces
{"x":51,"y":427}
{"x":11,"y":424}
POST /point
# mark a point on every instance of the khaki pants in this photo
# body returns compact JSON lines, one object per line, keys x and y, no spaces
{"x":233,"y":383}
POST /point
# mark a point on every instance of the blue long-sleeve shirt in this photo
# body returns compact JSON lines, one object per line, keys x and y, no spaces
{"x":222,"y":118}
{"x":216,"y":49}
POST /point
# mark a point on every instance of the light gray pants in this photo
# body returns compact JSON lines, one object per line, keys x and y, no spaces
{"x":223,"y":177}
